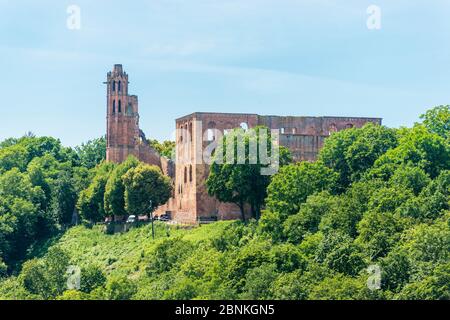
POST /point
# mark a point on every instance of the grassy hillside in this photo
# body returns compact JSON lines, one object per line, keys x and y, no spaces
{"x":127,"y":253}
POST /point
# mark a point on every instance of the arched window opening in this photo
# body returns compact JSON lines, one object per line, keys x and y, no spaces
{"x":190,"y":131}
{"x":114,"y":106}
{"x":120,"y":107}
{"x":210,"y":135}
{"x":190,"y":173}
{"x":185,"y":175}
{"x":332,"y":128}
{"x":113,"y":86}
{"x":130,"y":110}
{"x":119,"y":86}
{"x":244,"y":126}
{"x":210,"y":131}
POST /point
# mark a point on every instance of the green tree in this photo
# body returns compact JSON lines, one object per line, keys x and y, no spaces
{"x":339,"y":287}
{"x":63,"y":198}
{"x":294,"y":183}
{"x":410,"y":177}
{"x":353,"y":151}
{"x":115,"y":188}
{"x":437,"y":120}
{"x":92,"y":277}
{"x":46,"y":277}
{"x":289,"y":286}
{"x":15,"y":156}
{"x":167,"y":254}
{"x":143,"y":184}
{"x":258,"y":284}
{"x":338,"y":252}
{"x":379,"y":232}
{"x":166,"y":148}
{"x":119,"y":288}
{"x":433,"y":287}
{"x":92,"y":153}
{"x":417,"y":147}
{"x":19,"y":214}
{"x":239,"y":178}
{"x":91,"y":200}
{"x":307,"y":220}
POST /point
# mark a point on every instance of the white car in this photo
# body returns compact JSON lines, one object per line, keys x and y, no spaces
{"x":131,"y":219}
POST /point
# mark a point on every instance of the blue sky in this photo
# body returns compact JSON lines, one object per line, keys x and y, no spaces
{"x":282,"y":57}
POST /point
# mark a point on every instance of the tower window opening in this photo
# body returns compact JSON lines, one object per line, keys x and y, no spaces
{"x":114,"y":106}
{"x":120,"y":107}
{"x":185,"y":174}
{"x":130,"y":110}
{"x":190,"y":173}
{"x":119,"y":85}
{"x":113,"y":86}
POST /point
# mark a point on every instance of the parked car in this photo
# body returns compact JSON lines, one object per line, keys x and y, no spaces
{"x":131,"y":219}
{"x":164,"y":217}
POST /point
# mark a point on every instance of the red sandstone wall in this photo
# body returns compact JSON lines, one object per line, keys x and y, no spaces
{"x":304,"y":136}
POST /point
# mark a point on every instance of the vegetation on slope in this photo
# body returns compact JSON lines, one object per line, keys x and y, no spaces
{"x":378,"y":199}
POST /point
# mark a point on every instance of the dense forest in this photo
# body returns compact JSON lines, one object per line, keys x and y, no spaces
{"x":369,"y":220}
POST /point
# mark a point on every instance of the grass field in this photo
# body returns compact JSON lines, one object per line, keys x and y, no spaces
{"x":126,"y":253}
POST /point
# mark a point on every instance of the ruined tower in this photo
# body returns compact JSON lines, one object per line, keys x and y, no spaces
{"x":122,"y":118}
{"x":123,"y":135}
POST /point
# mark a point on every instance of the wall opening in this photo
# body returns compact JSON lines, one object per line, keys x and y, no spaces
{"x":210,"y":131}
{"x":244,"y":126}
{"x":332,"y":128}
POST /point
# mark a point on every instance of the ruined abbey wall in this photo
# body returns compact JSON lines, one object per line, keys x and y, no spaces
{"x":196,"y":132}
{"x":304,"y":136}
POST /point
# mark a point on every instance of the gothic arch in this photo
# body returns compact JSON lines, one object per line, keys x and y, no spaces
{"x":332,"y":128}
